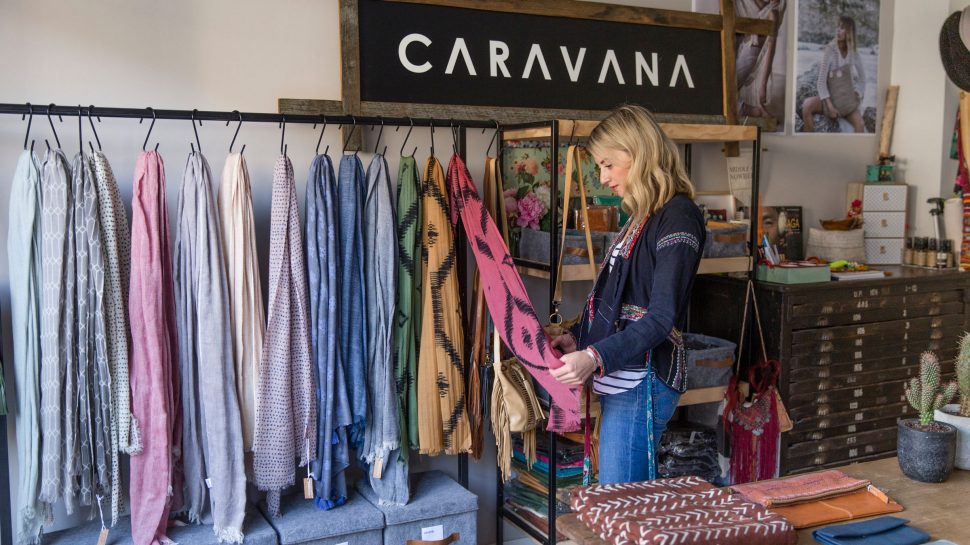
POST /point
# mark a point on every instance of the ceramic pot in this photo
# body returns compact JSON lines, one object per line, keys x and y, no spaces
{"x":962,"y":423}
{"x":926,"y":456}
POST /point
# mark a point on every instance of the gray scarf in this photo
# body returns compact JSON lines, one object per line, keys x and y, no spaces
{"x":212,"y":441}
{"x":116,"y":245}
{"x":286,"y":415}
{"x":382,"y":437}
{"x":57,"y":346}
{"x":23,"y":252}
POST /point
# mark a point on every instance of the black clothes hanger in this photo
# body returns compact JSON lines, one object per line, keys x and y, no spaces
{"x":322,"y":130}
{"x":150,"y":127}
{"x":494,"y":138}
{"x":196,"y":131}
{"x":432,"y":137}
{"x":93,"y":130}
{"x":379,"y":134}
{"x":283,"y":147}
{"x":30,"y":120}
{"x":80,"y":136}
{"x":406,"y":136}
{"x":235,"y":134}
{"x":350,"y":135}
{"x":51,"y":121}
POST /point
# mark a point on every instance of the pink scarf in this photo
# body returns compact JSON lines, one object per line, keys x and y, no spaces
{"x":508,"y":302}
{"x":154,"y":373}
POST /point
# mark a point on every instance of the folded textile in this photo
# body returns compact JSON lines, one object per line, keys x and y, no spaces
{"x":685,"y":510}
{"x":880,"y":531}
{"x":854,"y":505}
{"x":808,"y":487}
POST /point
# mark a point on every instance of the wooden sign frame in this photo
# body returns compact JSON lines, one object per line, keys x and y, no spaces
{"x":351,"y":103}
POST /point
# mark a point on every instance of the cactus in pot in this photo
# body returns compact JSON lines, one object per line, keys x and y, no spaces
{"x":958,"y":415}
{"x":926,"y":449}
{"x":924,"y":392}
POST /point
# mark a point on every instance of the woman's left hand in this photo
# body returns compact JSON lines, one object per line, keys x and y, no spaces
{"x":576,"y":368}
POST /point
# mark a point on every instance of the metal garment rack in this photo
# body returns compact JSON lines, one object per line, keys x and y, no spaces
{"x":502,"y":511}
{"x":458,"y":126}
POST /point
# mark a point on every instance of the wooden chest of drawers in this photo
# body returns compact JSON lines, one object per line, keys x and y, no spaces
{"x":846,"y":350}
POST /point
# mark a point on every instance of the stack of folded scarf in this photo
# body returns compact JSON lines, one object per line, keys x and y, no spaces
{"x":689,"y":450}
{"x":880,"y":531}
{"x":685,"y":510}
{"x":526,"y":492}
{"x":819,"y":498}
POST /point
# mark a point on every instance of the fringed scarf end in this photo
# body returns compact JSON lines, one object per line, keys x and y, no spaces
{"x":229,"y":535}
{"x":134,"y":446}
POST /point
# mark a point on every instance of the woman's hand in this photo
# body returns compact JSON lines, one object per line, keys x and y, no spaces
{"x":830,"y":110}
{"x":565,"y":343}
{"x":576,"y":368}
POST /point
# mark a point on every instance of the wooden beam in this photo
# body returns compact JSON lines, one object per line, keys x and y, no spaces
{"x":888,"y":120}
{"x":350,"y":67}
{"x":729,"y":77}
{"x":606,"y":12}
{"x":679,"y":132}
{"x":299,"y":106}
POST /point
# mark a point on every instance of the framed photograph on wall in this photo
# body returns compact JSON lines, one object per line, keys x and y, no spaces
{"x":761,"y":61}
{"x":836,"y":66}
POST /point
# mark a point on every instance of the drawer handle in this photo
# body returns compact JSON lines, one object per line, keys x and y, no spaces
{"x":885,"y":195}
{"x":882,"y":249}
{"x":885,"y":223}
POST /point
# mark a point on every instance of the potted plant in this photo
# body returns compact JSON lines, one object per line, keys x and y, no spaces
{"x":958,"y":415}
{"x":925,"y":448}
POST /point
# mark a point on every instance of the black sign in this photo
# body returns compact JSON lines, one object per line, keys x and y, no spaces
{"x":427,"y":54}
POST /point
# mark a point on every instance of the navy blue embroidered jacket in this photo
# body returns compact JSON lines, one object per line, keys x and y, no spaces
{"x":633,"y":308}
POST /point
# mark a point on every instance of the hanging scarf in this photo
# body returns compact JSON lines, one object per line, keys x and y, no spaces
{"x":508,"y":302}
{"x":247,"y":320}
{"x":98,"y":452}
{"x":57,"y":317}
{"x":353,"y":342}
{"x":286,"y":414}
{"x":408,"y":299}
{"x":212,"y":442}
{"x":333,"y":453}
{"x":443,"y":421}
{"x":382,"y":440}
{"x":154,"y":356}
{"x":116,"y":245}
{"x":23,"y":255}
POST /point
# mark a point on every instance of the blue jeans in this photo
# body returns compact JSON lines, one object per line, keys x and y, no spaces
{"x":623,"y":430}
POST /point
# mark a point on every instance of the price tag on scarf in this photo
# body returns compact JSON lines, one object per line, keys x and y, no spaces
{"x":308,"y":481}
{"x":378,"y":470}
{"x":103,"y":536}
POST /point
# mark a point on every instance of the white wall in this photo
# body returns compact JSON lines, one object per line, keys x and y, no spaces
{"x":225,"y":55}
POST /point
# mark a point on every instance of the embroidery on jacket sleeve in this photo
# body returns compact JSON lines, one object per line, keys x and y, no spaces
{"x":680,"y":237}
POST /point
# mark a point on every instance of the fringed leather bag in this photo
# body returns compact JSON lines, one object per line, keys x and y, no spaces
{"x":755,"y":425}
{"x":515,"y":408}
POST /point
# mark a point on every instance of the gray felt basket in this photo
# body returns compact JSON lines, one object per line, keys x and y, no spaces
{"x":710,"y":361}
{"x":534,"y":245}
{"x":255,"y":528}
{"x":356,"y":522}
{"x":436,"y":500}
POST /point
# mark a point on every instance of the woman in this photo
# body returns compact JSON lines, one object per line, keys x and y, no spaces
{"x":841,"y":81}
{"x":629,"y":337}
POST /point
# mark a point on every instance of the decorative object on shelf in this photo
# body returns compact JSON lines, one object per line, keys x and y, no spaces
{"x":710,"y":361}
{"x":726,"y":239}
{"x":958,"y":415}
{"x":926,"y":449}
{"x":783,"y":226}
{"x":756,"y":425}
{"x":793,"y":272}
{"x":835,"y":245}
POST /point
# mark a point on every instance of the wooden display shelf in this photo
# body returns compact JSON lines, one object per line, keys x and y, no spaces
{"x":573,"y":273}
{"x":680,"y":132}
{"x":697,"y":396}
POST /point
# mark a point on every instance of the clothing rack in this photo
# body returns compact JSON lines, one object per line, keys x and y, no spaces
{"x":458,"y":126}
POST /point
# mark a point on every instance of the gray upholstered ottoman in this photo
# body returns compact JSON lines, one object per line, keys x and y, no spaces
{"x":356,"y":522}
{"x":257,"y":532}
{"x":436,"y":500}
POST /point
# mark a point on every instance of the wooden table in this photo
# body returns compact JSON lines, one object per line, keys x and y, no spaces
{"x":934,"y":508}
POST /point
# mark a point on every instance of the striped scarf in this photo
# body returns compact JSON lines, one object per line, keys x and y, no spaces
{"x":116,"y":245}
{"x":23,"y":253}
{"x":286,"y":413}
{"x":408,"y":299}
{"x":333,"y":452}
{"x":247,"y":320}
{"x":508,"y":302}
{"x":57,"y":342}
{"x":212,"y":442}
{"x":443,"y":420}
{"x":154,"y":355}
{"x":382,"y":438}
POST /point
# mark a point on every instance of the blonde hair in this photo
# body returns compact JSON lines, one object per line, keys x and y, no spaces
{"x":848,"y":23}
{"x":656,"y":172}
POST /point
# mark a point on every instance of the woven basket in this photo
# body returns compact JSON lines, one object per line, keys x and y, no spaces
{"x":835,"y":245}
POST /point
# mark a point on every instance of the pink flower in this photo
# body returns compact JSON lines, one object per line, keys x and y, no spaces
{"x":511,"y":203}
{"x":531,"y":210}
{"x":531,"y":166}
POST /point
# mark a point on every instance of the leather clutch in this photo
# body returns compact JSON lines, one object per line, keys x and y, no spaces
{"x":602,"y":217}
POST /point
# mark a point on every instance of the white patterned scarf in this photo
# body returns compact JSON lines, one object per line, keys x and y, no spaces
{"x":23,"y":253}
{"x":245,"y":291}
{"x":212,"y":442}
{"x":286,"y":415}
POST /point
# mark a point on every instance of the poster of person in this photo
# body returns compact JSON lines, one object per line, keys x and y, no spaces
{"x":837,"y":64}
{"x":783,"y":226}
{"x":760,"y":60}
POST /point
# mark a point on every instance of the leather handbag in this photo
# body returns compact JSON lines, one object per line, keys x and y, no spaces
{"x":842,"y":91}
{"x":599,"y":217}
{"x":515,"y":408}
